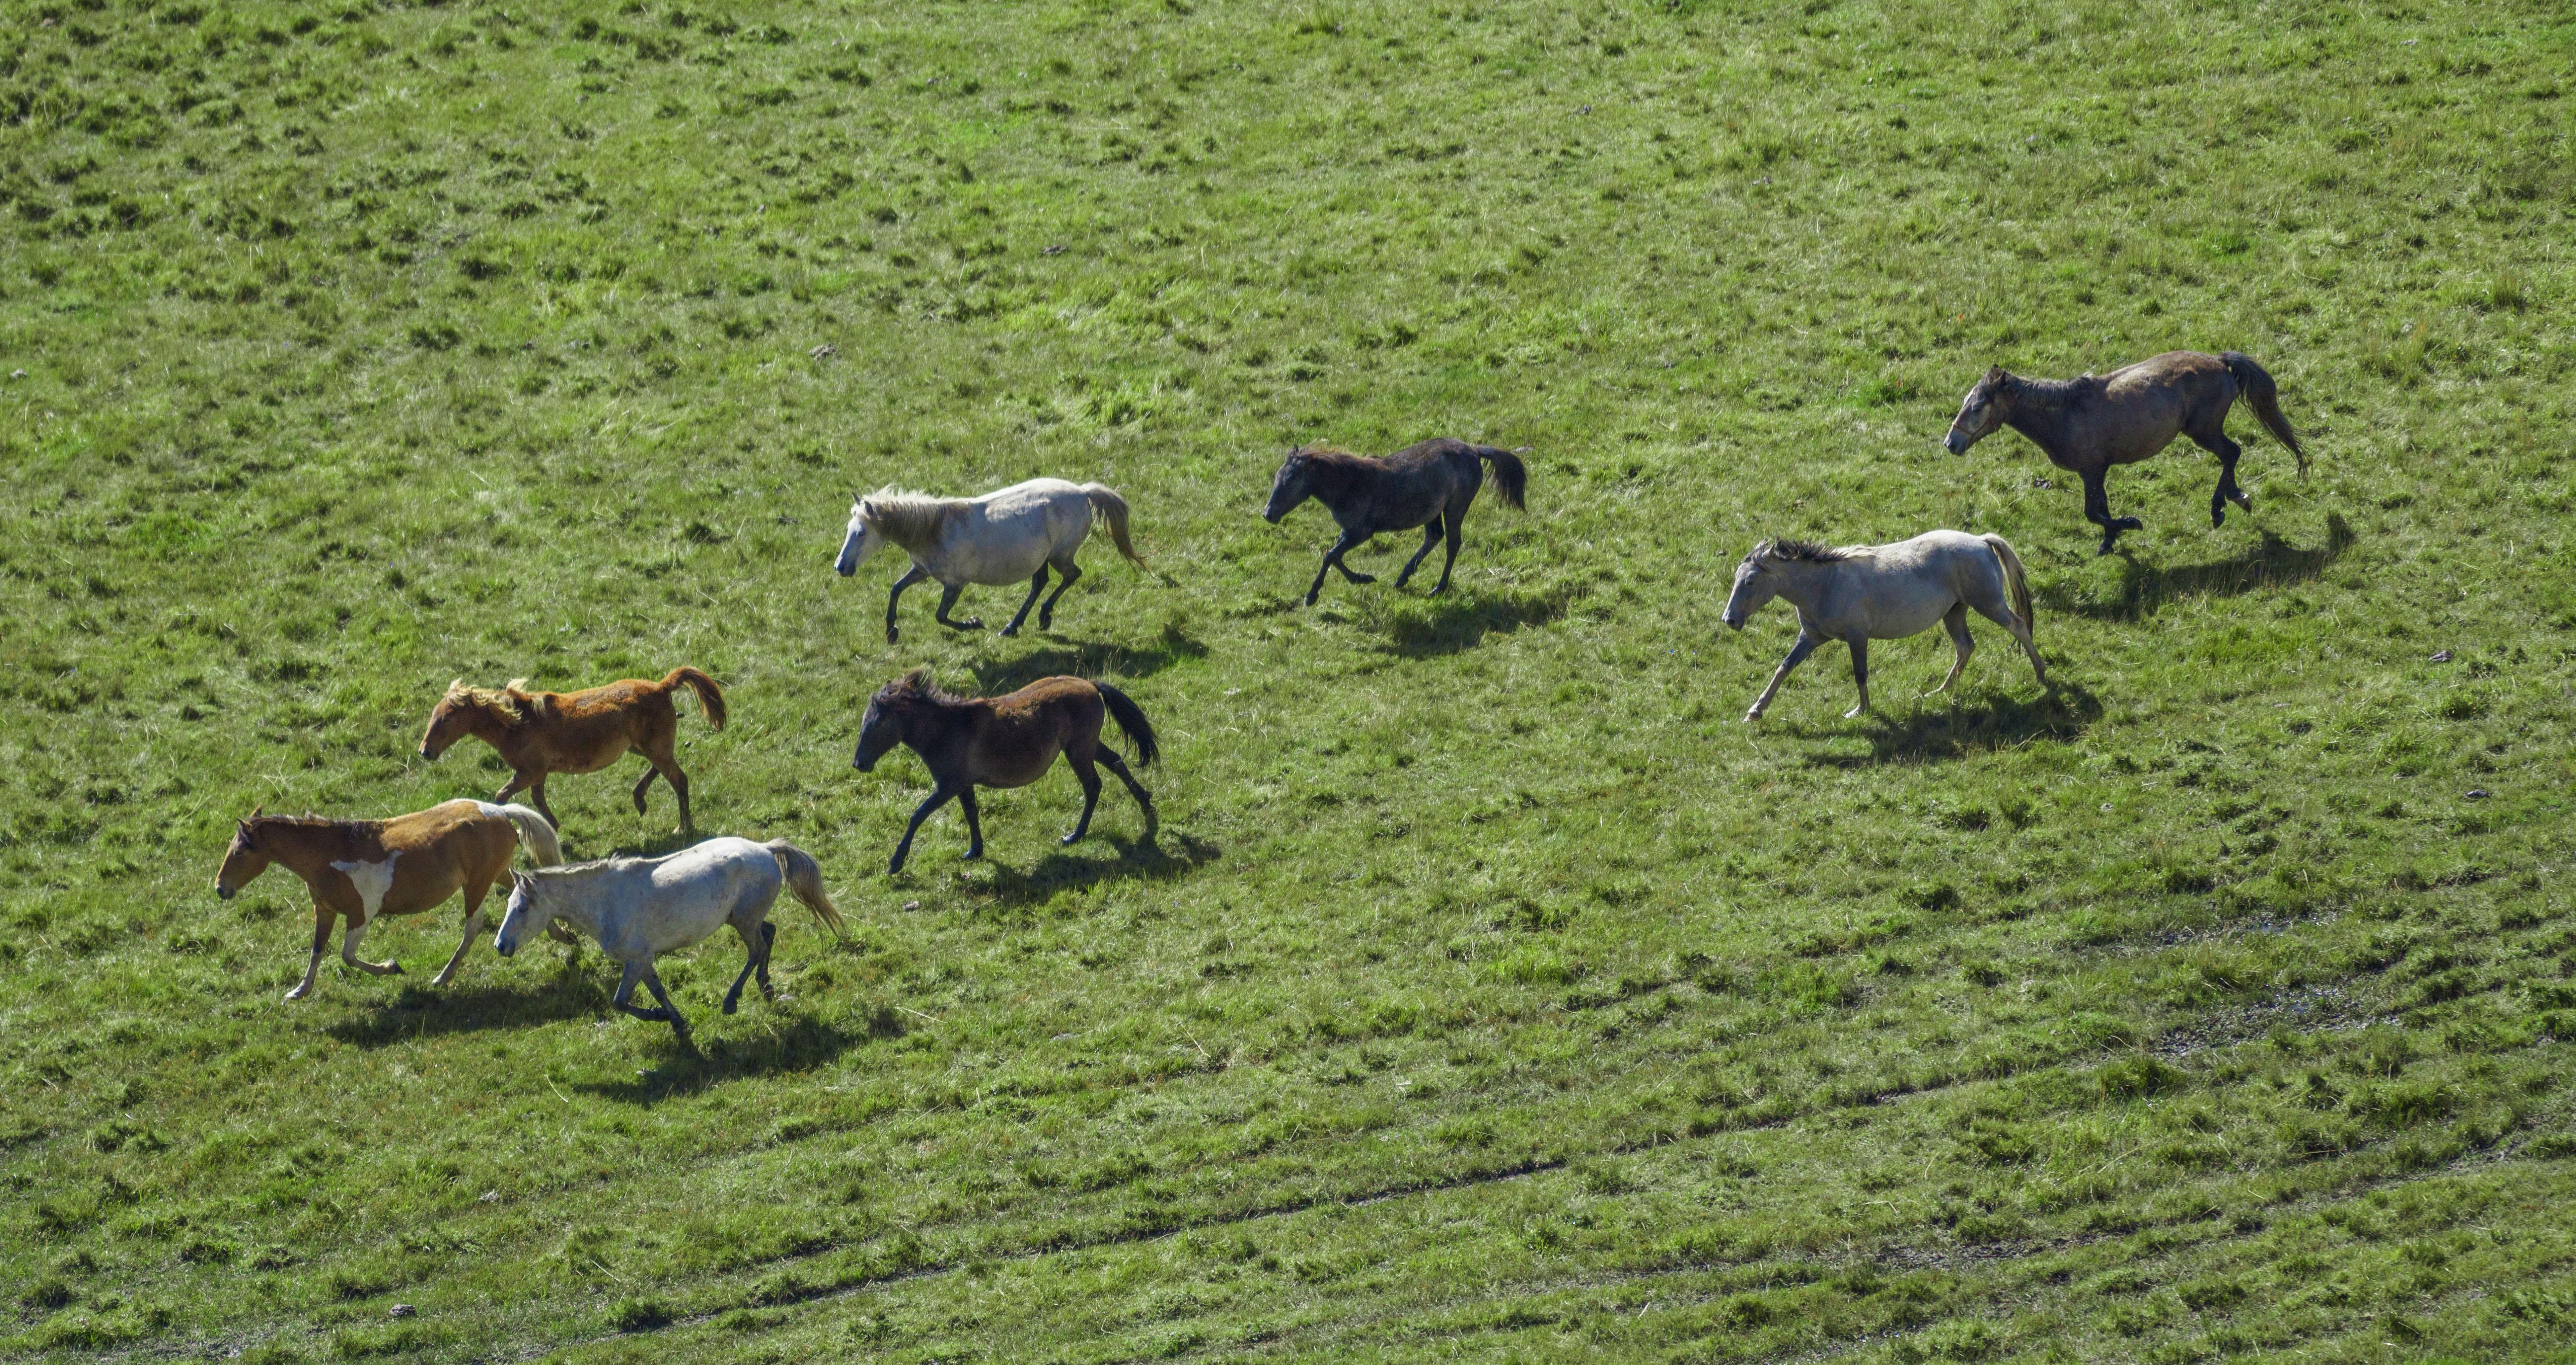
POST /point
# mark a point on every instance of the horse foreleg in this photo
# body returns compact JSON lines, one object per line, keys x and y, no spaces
{"x":974,"y":823}
{"x":1333,"y":560}
{"x":1860,"y":674}
{"x":1144,"y":798}
{"x":938,"y":796}
{"x":349,"y":951}
{"x":2097,"y":509}
{"x":1089,"y":777}
{"x":947,"y":599}
{"x":1066,"y":572}
{"x":1430,"y":537}
{"x":913,"y":575}
{"x":1956,"y":619}
{"x":1037,"y":584}
{"x":323,"y":918}
{"x":1798,"y":653}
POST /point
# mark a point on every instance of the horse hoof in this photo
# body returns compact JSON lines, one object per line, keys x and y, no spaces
{"x":1009,"y":631}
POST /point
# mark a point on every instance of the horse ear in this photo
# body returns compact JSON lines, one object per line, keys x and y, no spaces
{"x":1994,"y":374}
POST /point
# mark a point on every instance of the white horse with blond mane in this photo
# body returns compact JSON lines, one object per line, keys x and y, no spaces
{"x":1002,"y":537}
{"x":1861,"y":593}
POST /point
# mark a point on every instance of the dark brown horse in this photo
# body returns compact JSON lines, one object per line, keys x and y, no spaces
{"x":1003,"y":742}
{"x":1430,"y":485}
{"x":2087,"y":425}
{"x":541,"y":733}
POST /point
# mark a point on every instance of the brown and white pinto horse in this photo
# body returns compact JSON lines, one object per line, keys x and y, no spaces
{"x":541,"y":733}
{"x":363,"y":870}
{"x":1007,"y":741}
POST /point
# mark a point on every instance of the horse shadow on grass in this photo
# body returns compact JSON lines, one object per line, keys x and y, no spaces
{"x":419,"y":1011}
{"x":2272,"y":562}
{"x":1455,"y":623}
{"x":996,"y":676}
{"x":789,"y":1044}
{"x":1065,"y":871}
{"x":2005,"y":721}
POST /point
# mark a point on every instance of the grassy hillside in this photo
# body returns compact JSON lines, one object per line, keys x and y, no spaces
{"x":1491,"y":989}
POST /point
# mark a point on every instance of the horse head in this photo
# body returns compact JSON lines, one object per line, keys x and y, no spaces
{"x":1292,"y":485}
{"x":525,"y":915}
{"x":448,"y":721}
{"x":1979,"y":413}
{"x":861,"y":541}
{"x":244,"y":860}
{"x":883,"y":726}
{"x":1755,"y":585}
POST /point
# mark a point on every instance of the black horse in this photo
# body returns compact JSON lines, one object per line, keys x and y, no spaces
{"x":1430,"y":485}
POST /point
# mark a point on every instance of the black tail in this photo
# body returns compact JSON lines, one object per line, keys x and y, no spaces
{"x":1131,"y":720}
{"x":2261,"y":396}
{"x":1511,"y":477}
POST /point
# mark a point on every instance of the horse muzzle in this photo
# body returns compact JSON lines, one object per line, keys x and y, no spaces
{"x":1733,"y":622}
{"x":845,"y":568}
{"x":429,"y":753}
{"x":864,"y":763}
{"x":1955,"y":443}
{"x":1272,"y":515}
{"x":506,"y":947}
{"x":225,"y":893}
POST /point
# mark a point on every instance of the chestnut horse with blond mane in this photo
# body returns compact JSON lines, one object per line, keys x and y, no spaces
{"x":362,"y":870}
{"x":542,"y":733}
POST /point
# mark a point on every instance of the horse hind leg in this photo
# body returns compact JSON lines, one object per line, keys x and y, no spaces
{"x":1037,"y":584}
{"x":1089,"y":777}
{"x":1066,"y":573}
{"x":757,"y":934}
{"x":1430,"y":538}
{"x":2227,"y":451}
{"x":2001,"y":613}
{"x":1956,"y":621}
{"x":1144,"y":799}
{"x":641,"y":973}
{"x":1454,"y":525}
{"x":473,"y":927}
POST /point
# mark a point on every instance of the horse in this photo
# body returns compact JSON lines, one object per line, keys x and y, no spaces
{"x":1885,"y":592}
{"x":361,"y":870}
{"x":1429,"y":485}
{"x":1006,"y":741}
{"x":2087,"y":425}
{"x":543,"y":733}
{"x":1002,"y":537}
{"x":640,"y":908}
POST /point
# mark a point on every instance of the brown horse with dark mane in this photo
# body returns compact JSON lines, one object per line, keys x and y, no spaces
{"x":542,"y":733}
{"x":1006,"y":741}
{"x":1430,"y":485}
{"x":2087,"y":425}
{"x":362,"y":870}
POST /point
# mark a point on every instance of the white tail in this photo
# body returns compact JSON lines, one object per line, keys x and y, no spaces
{"x":2014,"y":580}
{"x":535,"y":835}
{"x":805,"y":878}
{"x":1111,"y":510}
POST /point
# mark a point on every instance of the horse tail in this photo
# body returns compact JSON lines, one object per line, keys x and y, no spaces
{"x":1112,"y":509}
{"x":1131,"y":719}
{"x":805,"y":877}
{"x":710,"y":696}
{"x":2265,"y":399}
{"x":535,"y":835}
{"x":2015,"y":581}
{"x":1511,"y":477}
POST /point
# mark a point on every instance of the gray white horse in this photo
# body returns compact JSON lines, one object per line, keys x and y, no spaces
{"x":1862,"y":593}
{"x":1002,"y":537}
{"x":640,"y":908}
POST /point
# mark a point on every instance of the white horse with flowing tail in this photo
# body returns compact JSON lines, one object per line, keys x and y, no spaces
{"x":640,"y":908}
{"x":1862,"y":593}
{"x":1002,"y":537}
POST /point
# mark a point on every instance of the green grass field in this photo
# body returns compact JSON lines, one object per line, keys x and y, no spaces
{"x":1491,"y":991}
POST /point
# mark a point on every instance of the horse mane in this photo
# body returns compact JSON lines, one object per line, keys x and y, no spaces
{"x":1807,"y":551}
{"x":2062,"y":392}
{"x":908,"y":519}
{"x":1335,"y":458}
{"x":917,"y":686}
{"x":508,"y":704}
